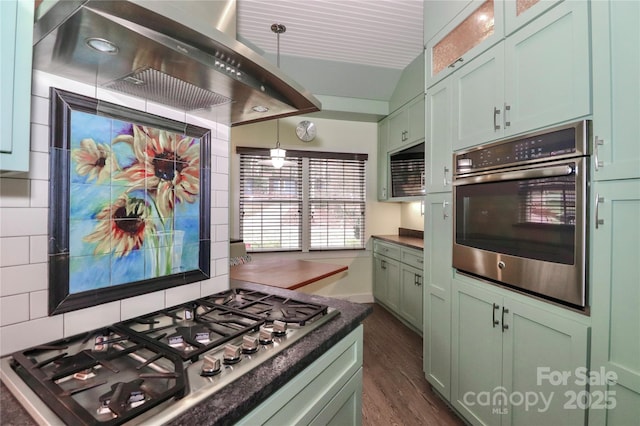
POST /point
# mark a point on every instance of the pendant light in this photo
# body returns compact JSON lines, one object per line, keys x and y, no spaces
{"x":278,"y":154}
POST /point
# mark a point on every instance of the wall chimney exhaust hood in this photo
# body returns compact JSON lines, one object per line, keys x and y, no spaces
{"x":125,"y":47}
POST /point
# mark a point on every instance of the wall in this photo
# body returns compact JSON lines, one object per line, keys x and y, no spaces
{"x":24,"y":207}
{"x":411,"y":215}
{"x":380,"y":218}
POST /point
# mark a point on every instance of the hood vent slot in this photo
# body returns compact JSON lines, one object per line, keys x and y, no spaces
{"x":154,"y":85}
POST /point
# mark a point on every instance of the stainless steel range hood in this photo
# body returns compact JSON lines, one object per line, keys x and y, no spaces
{"x":165,"y":61}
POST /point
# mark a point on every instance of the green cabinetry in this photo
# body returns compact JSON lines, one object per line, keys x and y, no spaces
{"x":383,"y":160}
{"x":506,"y":356}
{"x":616,"y":89}
{"x":406,"y":125}
{"x":616,"y":300}
{"x":437,"y":292}
{"x":16,"y":35}
{"x":536,"y":77}
{"x":438,"y":150}
{"x":328,"y":392}
{"x":398,"y":281}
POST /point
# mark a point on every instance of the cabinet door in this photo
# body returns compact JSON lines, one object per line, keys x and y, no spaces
{"x":379,"y":279}
{"x":415,"y":115}
{"x":383,"y":160}
{"x":398,"y":129}
{"x":476,"y":28}
{"x":478,"y":99}
{"x":411,"y":295}
{"x":392,"y":269}
{"x":437,"y":293}
{"x":518,"y":13}
{"x":616,"y":100}
{"x":438,"y":150}
{"x":537,"y":346}
{"x":16,"y":18}
{"x":615,"y":299}
{"x":547,"y":75}
{"x":476,"y":351}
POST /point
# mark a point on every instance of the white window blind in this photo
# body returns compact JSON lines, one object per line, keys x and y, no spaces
{"x":270,"y":204}
{"x":336,"y":203}
{"x":328,"y":187}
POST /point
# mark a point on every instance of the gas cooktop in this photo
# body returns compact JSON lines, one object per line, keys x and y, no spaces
{"x":158,"y":365}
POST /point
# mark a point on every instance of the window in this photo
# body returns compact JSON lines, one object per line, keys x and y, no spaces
{"x":315,"y":202}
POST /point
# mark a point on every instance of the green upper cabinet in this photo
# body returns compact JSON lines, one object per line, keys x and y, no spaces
{"x":616,"y":89}
{"x":478,"y":26}
{"x":518,"y":13}
{"x":616,"y":299}
{"x":406,"y":125}
{"x":536,"y":77}
{"x":383,"y":160}
{"x":438,"y":157}
{"x":438,"y":275}
{"x":505,"y":349}
{"x":16,"y":35}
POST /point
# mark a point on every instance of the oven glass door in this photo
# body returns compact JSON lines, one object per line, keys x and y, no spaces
{"x":532,"y":214}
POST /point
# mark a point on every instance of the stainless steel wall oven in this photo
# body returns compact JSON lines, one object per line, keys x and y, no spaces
{"x":521,"y":212}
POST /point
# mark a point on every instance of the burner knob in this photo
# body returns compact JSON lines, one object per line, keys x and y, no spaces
{"x":231,"y":353}
{"x":266,"y":336}
{"x":210,"y":366}
{"x":279,"y":328}
{"x":249,"y":344}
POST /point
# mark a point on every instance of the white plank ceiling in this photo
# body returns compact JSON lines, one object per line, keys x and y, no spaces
{"x":379,"y":33}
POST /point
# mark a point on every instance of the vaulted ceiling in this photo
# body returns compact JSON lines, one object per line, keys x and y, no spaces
{"x":353,"y":49}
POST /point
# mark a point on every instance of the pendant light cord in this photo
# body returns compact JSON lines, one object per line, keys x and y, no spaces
{"x":278,"y":29}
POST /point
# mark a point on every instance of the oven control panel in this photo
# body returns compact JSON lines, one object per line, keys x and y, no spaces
{"x":566,"y":141}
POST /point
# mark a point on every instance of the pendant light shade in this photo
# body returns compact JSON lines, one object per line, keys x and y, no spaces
{"x":278,"y":154}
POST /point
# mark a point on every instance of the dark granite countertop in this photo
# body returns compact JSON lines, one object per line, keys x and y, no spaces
{"x":231,"y":403}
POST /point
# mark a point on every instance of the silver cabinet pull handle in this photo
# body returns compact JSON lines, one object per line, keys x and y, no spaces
{"x":507,"y":108}
{"x":446,"y":170}
{"x":494,"y":321}
{"x":444,"y":210}
{"x":599,"y":200}
{"x":453,"y":64}
{"x":596,"y":161}
{"x":504,"y":326}
{"x":496,"y":112}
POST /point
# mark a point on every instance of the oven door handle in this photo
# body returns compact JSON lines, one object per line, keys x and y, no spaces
{"x":541,"y":172}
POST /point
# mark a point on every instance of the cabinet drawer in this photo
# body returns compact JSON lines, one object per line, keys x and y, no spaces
{"x":413,"y":258}
{"x":389,"y":250}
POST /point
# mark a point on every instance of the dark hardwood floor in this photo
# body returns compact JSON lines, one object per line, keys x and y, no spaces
{"x":395,"y":391}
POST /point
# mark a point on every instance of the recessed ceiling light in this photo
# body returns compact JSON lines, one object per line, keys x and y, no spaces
{"x":260,"y":108}
{"x":102,"y":45}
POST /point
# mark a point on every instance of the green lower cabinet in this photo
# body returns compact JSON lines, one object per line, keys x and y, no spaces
{"x":438,"y":275}
{"x":411,"y":295}
{"x":328,"y":392}
{"x":386,"y":281}
{"x":615,"y":308}
{"x":514,"y":363}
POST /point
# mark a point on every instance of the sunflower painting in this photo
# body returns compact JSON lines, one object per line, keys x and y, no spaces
{"x":133,"y":200}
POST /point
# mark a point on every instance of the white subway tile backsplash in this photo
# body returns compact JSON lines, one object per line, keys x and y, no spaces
{"x":215,"y":285}
{"x":40,"y":110}
{"x":39,"y":193}
{"x":140,"y":305}
{"x":24,"y":204}
{"x":14,"y":251}
{"x":221,"y":198}
{"x":14,"y":309}
{"x":90,"y":318}
{"x":181,"y":294}
{"x":30,"y":333}
{"x":219,"y":216}
{"x":38,"y":249}
{"x":23,"y":221}
{"x":23,"y":279}
{"x":222,"y":233}
{"x":38,"y":304}
{"x":222,"y":165}
{"x":14,"y":193}
{"x":39,"y":138}
{"x":219,"y":181}
{"x":39,"y":165}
